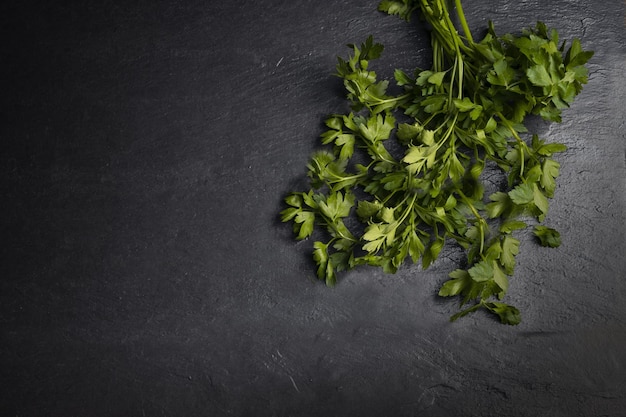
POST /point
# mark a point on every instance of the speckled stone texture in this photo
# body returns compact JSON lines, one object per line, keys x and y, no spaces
{"x":145,"y":148}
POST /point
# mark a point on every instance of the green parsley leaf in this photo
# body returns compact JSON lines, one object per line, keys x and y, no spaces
{"x":547,"y":236}
{"x":402,"y":8}
{"x":507,"y":314}
{"x":510,"y":248}
{"x":461,"y":279}
{"x":304,"y":222}
{"x":522,"y":194}
{"x":538,"y":75}
{"x":549,"y":172}
{"x":482,"y":271}
{"x":500,"y":279}
{"x":512,"y":225}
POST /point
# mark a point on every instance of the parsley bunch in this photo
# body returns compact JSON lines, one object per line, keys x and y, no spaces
{"x":403,"y":174}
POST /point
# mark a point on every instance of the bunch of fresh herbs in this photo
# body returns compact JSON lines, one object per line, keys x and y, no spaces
{"x":403,"y":174}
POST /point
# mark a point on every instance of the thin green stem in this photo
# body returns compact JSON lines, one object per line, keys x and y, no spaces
{"x":461,"y":64}
{"x":378,"y":155}
{"x":476,"y":214}
{"x":347,"y":177}
{"x":448,"y":132}
{"x":341,"y":235}
{"x":331,"y":223}
{"x":408,"y":210}
{"x":464,"y":25}
{"x":522,"y":145}
{"x":454,"y":68}
{"x":436,"y":23}
{"x":392,"y":99}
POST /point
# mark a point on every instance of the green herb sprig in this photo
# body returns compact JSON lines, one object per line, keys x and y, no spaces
{"x":403,"y":174}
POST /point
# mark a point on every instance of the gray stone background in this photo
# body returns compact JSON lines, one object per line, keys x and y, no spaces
{"x":145,"y":150}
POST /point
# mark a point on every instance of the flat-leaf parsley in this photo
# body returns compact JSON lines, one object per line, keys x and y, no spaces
{"x":403,"y":174}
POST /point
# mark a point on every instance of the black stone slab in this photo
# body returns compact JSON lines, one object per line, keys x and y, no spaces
{"x":145,"y":148}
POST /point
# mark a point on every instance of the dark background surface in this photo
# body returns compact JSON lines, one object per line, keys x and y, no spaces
{"x":145,"y":150}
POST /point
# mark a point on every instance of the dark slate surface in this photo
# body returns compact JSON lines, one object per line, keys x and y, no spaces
{"x":145,"y":150}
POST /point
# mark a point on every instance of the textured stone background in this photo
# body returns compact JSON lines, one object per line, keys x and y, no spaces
{"x":145,"y":150}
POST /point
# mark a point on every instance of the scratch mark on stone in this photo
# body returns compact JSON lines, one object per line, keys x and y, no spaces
{"x":294,"y":383}
{"x":279,"y":61}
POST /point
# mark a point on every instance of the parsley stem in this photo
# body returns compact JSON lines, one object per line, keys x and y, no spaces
{"x":380,"y":156}
{"x":448,"y":132}
{"x":461,"y":14}
{"x":521,"y":143}
{"x":436,"y":22}
{"x":342,"y":236}
{"x":386,"y":200}
{"x":451,"y":30}
{"x":401,"y":98}
{"x":481,"y":219}
{"x":450,"y":102}
{"x":347,"y":177}
{"x":461,"y":66}
{"x":333,"y":225}
{"x":408,"y":210}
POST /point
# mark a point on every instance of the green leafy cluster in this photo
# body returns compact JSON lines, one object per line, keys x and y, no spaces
{"x":403,"y":173}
